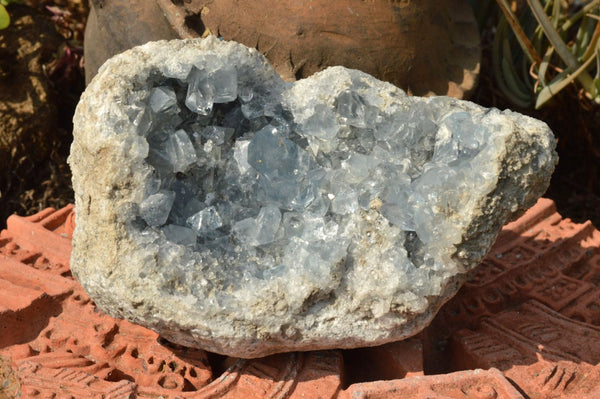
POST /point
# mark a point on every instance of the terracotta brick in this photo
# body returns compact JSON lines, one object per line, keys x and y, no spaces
{"x":320,"y":376}
{"x":535,"y":257}
{"x":545,"y":353}
{"x":391,"y":361}
{"x":530,"y":314}
{"x":473,"y":384}
{"x":49,"y":231}
{"x":65,"y":382}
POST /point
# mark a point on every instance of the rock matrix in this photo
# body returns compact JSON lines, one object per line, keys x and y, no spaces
{"x":232,"y":211}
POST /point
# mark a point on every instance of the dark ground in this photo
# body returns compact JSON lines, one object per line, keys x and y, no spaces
{"x":575,"y":186}
{"x":35,"y":184}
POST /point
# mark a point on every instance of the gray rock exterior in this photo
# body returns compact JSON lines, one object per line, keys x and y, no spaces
{"x":231,"y":211}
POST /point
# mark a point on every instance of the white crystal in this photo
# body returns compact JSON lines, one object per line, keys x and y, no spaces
{"x":260,"y":230}
{"x":208,"y":219}
{"x":180,"y":151}
{"x":141,"y":118}
{"x":179,"y":234}
{"x":156,"y":208}
{"x":224,"y":82}
{"x":163,"y":99}
{"x":293,"y":224}
{"x":245,"y":231}
{"x":321,"y":123}
{"x":345,"y":202}
{"x":267,"y":224}
{"x":245,"y":93}
{"x":200,"y":93}
{"x":352,"y":108}
{"x":217,"y":134}
{"x":240,"y":155}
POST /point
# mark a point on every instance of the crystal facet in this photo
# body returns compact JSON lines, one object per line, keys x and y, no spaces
{"x":162,"y":99}
{"x":156,"y":208}
{"x":200,"y":93}
{"x":206,"y":220}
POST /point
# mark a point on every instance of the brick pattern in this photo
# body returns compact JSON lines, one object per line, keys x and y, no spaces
{"x":475,"y":384}
{"x":540,"y":256}
{"x":526,"y":323}
{"x":545,"y":353}
{"x":532,"y":309}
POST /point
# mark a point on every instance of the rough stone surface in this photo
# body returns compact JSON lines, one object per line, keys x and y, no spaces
{"x":231,"y":211}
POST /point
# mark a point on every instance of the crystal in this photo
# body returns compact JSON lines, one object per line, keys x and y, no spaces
{"x":155,"y":209}
{"x":152,"y":186}
{"x":192,"y":207}
{"x":260,"y":230}
{"x":271,"y":154}
{"x":292,"y":223}
{"x":321,"y":123}
{"x":141,"y":118}
{"x":359,"y":166}
{"x":345,"y":202}
{"x":179,"y":234}
{"x":206,"y":220}
{"x":351,"y":108}
{"x":200,"y":93}
{"x":240,"y":155}
{"x":163,"y":99}
{"x":224,"y":82}
{"x":336,"y":207}
{"x":180,"y":151}
{"x":245,"y":231}
{"x":185,"y":204}
{"x":267,"y":224}
{"x":217,"y":134}
{"x":245,"y":93}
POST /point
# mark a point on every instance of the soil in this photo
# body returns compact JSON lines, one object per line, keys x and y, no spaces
{"x":39,"y":182}
{"x":40,"y":83}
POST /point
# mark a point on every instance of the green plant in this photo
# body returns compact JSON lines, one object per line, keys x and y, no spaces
{"x":4,"y":16}
{"x":546,"y":46}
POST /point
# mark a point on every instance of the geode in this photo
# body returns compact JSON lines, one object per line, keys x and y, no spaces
{"x":229,"y":210}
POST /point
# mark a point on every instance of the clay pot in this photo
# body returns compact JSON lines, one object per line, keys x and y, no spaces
{"x":114,"y":26}
{"x":424,"y":47}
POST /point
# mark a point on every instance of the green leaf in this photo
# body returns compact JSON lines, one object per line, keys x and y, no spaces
{"x":596,"y":93}
{"x":560,"y":82}
{"x":4,"y":18}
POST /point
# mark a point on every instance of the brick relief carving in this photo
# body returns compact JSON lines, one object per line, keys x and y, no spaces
{"x":527,"y":322}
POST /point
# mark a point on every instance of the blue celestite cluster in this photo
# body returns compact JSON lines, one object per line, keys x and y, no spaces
{"x":282,"y":183}
{"x":233,"y":211}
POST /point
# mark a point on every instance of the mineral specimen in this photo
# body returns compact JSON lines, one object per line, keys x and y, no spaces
{"x":231,"y":211}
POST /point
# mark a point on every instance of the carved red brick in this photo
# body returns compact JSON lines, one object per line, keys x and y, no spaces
{"x":529,"y":313}
{"x":462,"y":384}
